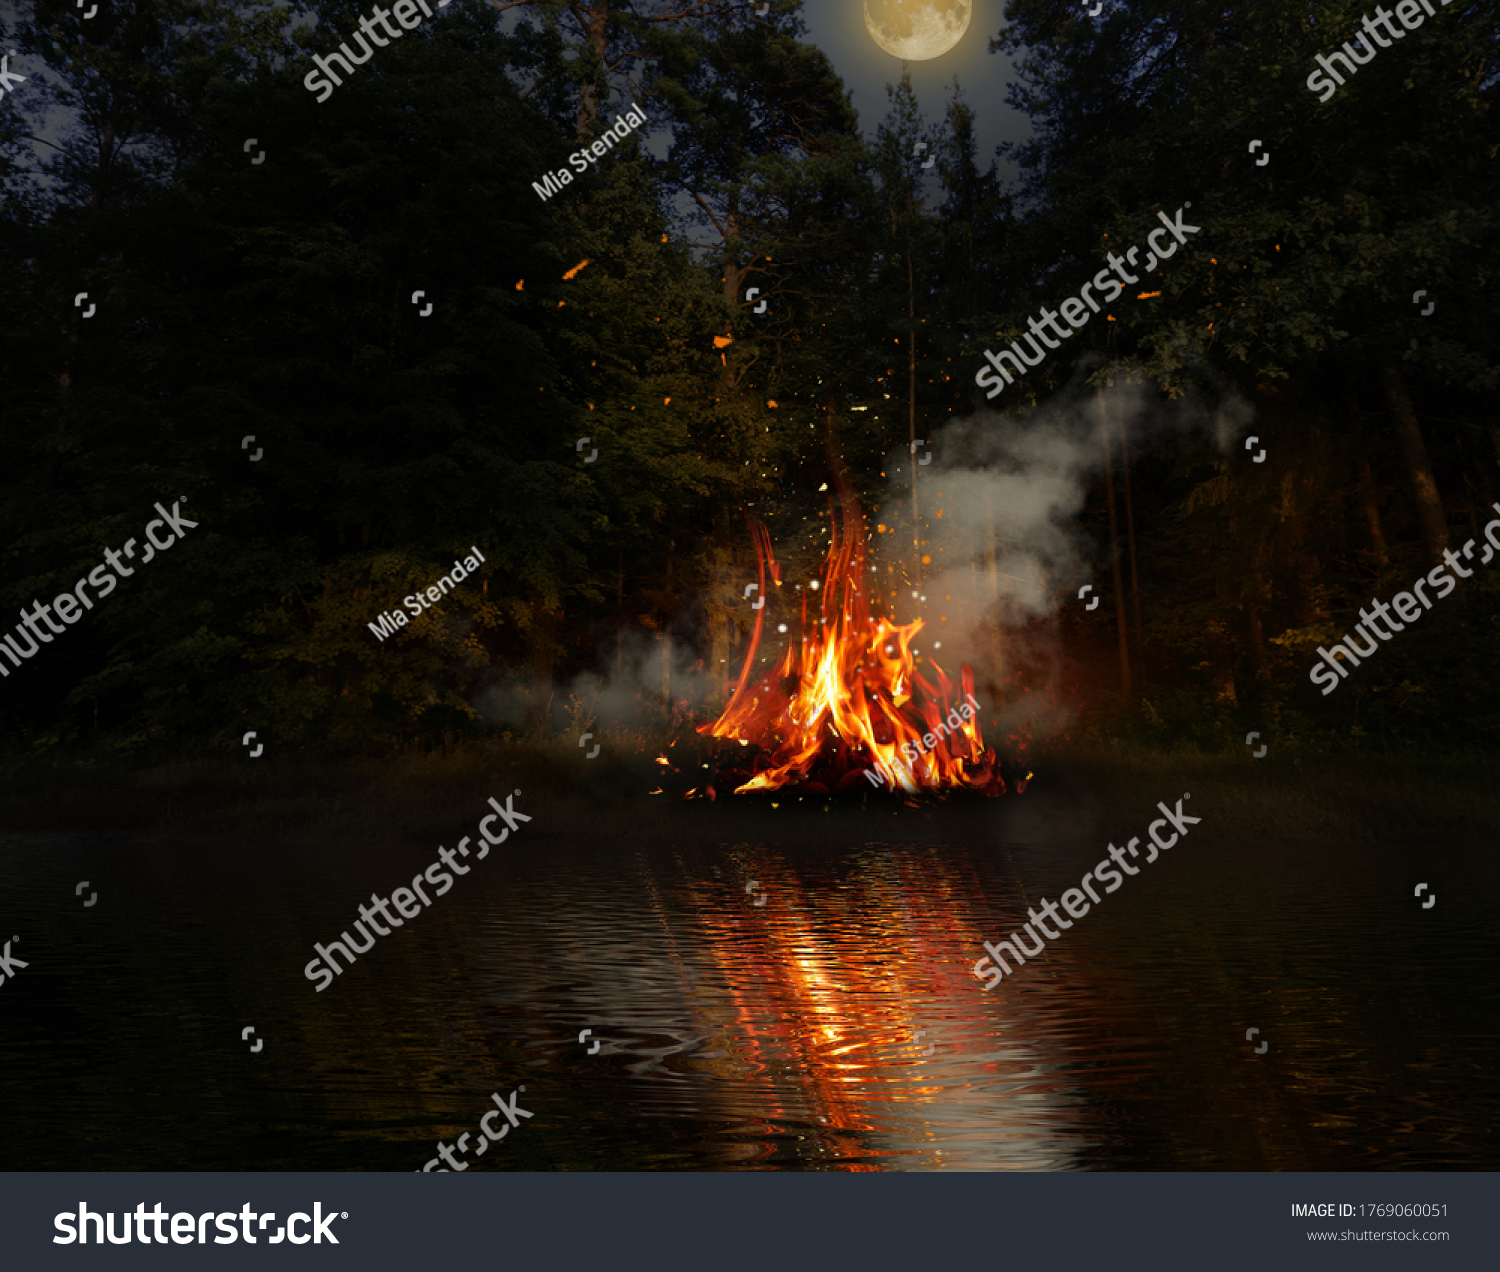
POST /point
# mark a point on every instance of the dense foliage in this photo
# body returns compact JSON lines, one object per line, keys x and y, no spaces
{"x":273,"y":299}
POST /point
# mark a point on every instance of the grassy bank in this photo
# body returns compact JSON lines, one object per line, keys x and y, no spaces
{"x":414,"y":795}
{"x":429,"y":795}
{"x":1305,"y":796}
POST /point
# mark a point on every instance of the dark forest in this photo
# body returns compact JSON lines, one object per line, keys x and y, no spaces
{"x":271,"y":298}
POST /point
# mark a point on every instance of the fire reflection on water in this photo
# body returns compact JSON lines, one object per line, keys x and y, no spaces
{"x":805,"y":1019}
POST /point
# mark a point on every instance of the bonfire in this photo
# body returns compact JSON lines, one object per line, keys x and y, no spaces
{"x":846,"y":704}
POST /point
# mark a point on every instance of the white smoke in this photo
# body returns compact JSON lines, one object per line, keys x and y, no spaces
{"x":644,"y":680}
{"x":1016,"y":484}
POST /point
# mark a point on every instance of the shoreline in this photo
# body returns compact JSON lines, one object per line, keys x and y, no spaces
{"x":421,"y":797}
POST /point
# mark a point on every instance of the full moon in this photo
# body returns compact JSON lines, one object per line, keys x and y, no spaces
{"x":916,"y":30}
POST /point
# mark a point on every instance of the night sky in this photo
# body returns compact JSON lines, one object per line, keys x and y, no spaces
{"x":838,"y":28}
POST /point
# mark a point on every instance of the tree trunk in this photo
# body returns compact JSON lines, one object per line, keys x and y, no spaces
{"x":1114,"y":540}
{"x":721,"y":616}
{"x":734,"y":273}
{"x":588,"y":102}
{"x":1135,"y":585}
{"x":1257,"y":636}
{"x":666,"y":673}
{"x":1430,"y":514}
{"x":543,"y":656}
{"x":1365,"y":484}
{"x":1221,"y":663}
{"x":1471,"y":508}
{"x":720,"y":650}
{"x":1371,"y":507}
{"x":1309,"y":597}
{"x":997,"y":647}
{"x":911,"y":369}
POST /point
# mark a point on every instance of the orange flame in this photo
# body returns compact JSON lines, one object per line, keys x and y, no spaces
{"x":847,"y":698}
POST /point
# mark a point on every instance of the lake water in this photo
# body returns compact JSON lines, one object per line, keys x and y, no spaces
{"x":837,"y":1026}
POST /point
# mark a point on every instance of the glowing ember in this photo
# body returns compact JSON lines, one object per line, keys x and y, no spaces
{"x":847,"y":696}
